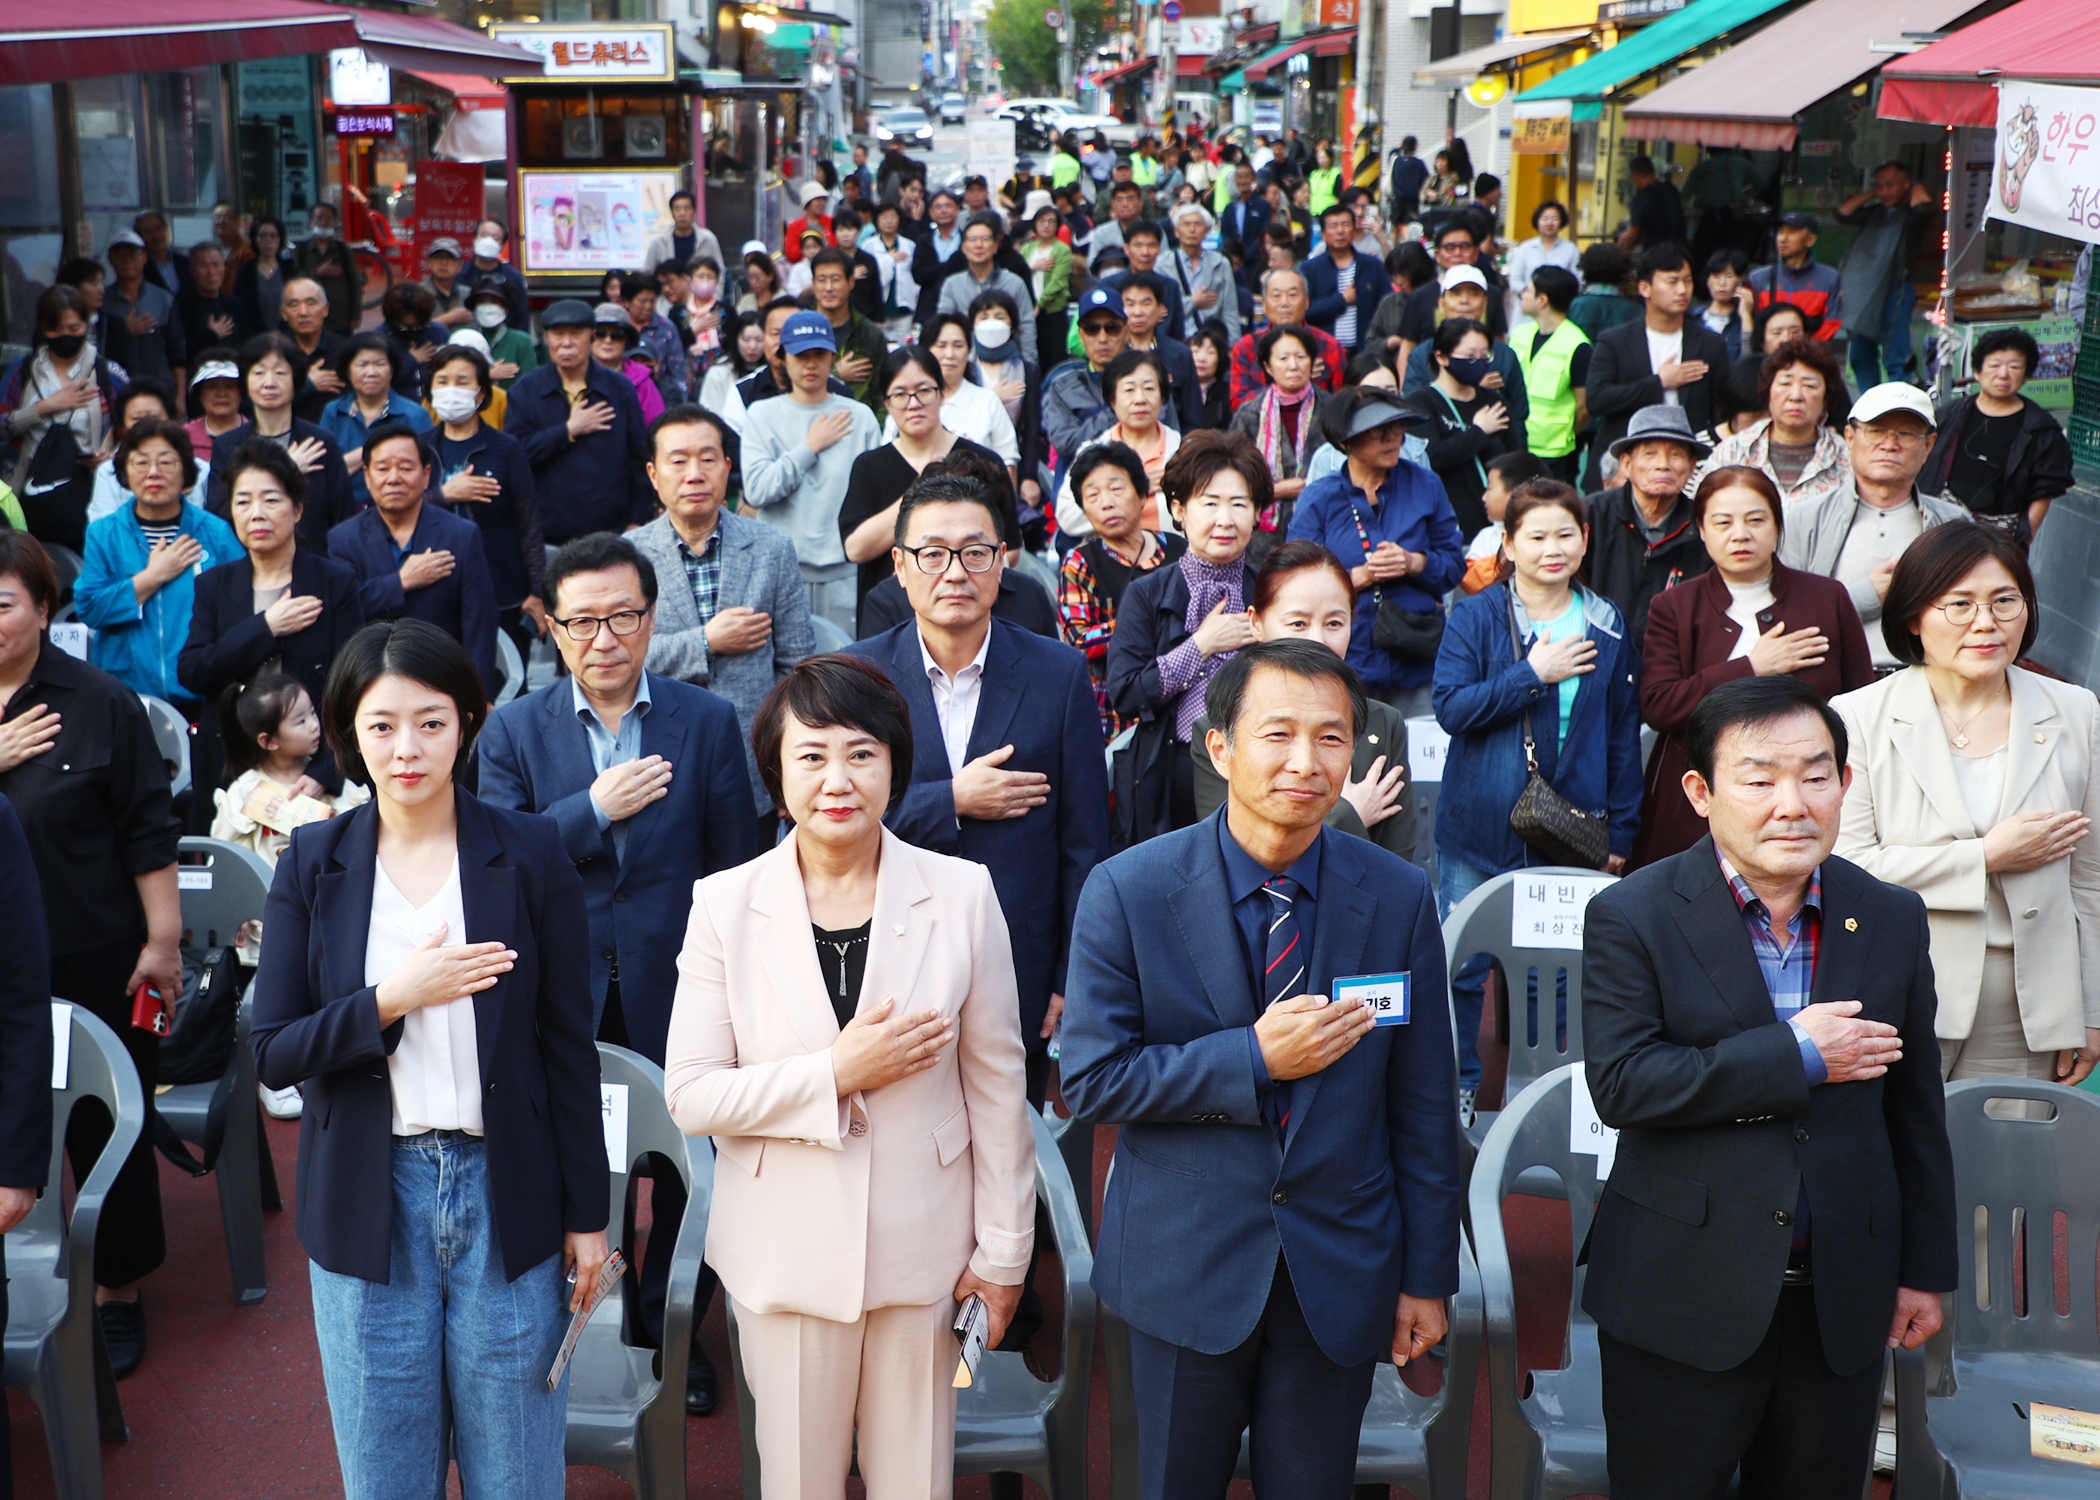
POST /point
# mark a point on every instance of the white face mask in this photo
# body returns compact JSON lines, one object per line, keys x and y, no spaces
{"x":489,"y":314}
{"x":488,"y":247}
{"x":453,"y":403}
{"x":324,"y":231}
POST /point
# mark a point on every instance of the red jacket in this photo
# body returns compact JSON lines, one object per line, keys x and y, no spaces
{"x":796,"y":229}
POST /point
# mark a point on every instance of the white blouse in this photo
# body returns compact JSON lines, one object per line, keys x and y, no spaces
{"x":435,"y":1071}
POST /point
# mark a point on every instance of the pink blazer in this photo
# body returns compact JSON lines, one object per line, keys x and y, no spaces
{"x":828,"y":1206}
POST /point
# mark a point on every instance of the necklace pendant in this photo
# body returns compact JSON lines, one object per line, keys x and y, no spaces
{"x":1961,"y":742}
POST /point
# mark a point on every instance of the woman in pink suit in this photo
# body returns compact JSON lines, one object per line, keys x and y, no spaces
{"x":846,"y":1028}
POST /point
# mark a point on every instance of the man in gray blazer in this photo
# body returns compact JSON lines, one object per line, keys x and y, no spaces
{"x":732,"y":614}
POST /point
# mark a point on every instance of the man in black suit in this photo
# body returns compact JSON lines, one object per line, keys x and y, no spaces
{"x":1758,"y":1016}
{"x":1664,"y":358}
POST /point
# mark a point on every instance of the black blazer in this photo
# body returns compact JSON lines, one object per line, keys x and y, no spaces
{"x":329,"y":498}
{"x":1622,"y":382}
{"x":229,"y":642}
{"x":1720,"y":1126}
{"x":25,"y":1014}
{"x":317,"y":1025}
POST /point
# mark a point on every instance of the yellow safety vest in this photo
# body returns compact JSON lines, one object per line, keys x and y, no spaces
{"x":1550,"y":429}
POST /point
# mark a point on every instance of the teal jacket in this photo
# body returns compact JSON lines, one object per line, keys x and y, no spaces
{"x":137,"y":644}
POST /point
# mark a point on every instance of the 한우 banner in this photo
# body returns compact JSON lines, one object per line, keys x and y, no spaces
{"x":2047,"y":173}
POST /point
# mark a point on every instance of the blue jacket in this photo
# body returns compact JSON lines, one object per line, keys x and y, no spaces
{"x":1037,"y":697}
{"x":317,"y":1025}
{"x":1482,"y":690}
{"x":1247,"y":220}
{"x":1413,"y":512}
{"x":138,"y":643}
{"x":347,"y":427}
{"x":596,"y":483}
{"x":535,"y":756}
{"x":462,"y":603}
{"x":1322,"y":287}
{"x":510,"y":524}
{"x":1362,"y":1196}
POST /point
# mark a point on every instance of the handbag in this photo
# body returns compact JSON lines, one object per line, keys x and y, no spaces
{"x":1552,"y":827}
{"x":1410,"y":634}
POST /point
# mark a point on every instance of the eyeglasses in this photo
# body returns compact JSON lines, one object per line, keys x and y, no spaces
{"x":918,"y":396}
{"x":1100,"y":330}
{"x":2005,"y":609}
{"x":978,"y":557}
{"x":585,"y":627}
{"x":1900,"y":437}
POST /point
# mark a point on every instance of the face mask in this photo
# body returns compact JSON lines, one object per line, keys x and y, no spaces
{"x":994,"y":340}
{"x":66,"y":346}
{"x":488,"y":247}
{"x":704,"y":288}
{"x":1471,"y":371}
{"x":454,"y":404}
{"x":323,"y":232}
{"x":489,"y":314}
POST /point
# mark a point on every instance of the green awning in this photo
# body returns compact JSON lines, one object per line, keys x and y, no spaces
{"x":1652,"y":47}
{"x":790,"y":38}
{"x":1234,"y":82}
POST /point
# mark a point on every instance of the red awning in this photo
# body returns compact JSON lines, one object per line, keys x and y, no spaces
{"x":1335,"y":43}
{"x":1954,"y":81}
{"x":1262,"y":67}
{"x":1123,"y":74}
{"x":468,"y":92}
{"x":144,"y":36}
{"x":1189,"y":64}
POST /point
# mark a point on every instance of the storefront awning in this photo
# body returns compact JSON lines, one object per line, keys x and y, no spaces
{"x":1326,"y":44}
{"x":1650,"y":48}
{"x":468,"y":92}
{"x":145,"y":36}
{"x":1954,"y":82}
{"x":417,"y":42}
{"x":1453,"y":72}
{"x":1750,"y":95}
{"x":1123,"y":73}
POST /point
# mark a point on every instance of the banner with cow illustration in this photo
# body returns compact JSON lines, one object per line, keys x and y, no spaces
{"x":2047,"y":173}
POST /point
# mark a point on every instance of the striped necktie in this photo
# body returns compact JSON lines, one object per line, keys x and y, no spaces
{"x":1283,"y":963}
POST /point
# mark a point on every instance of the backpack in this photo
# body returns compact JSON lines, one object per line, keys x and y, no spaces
{"x":55,"y":485}
{"x":199,"y":1043}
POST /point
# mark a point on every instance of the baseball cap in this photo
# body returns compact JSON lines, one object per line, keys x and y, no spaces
{"x":126,"y":237}
{"x":567,"y":313}
{"x":214,"y":369}
{"x":443,"y":245}
{"x":1104,"y":299}
{"x":1889,"y":397}
{"x":493,"y":287}
{"x":807,"y":331}
{"x":612,"y":315}
{"x":1461,"y":276}
{"x":811,"y":191}
{"x":1798,"y":219}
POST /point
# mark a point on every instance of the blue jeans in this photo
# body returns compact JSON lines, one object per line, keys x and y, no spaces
{"x":1455,"y":882}
{"x":1891,"y":350}
{"x":447,"y":1353}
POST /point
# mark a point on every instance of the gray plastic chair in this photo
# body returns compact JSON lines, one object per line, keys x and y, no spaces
{"x":829,"y":636}
{"x":171,"y":734}
{"x":1970,"y":1437}
{"x":627,"y":1404}
{"x":512,"y":666}
{"x":1480,"y":924}
{"x":1008,"y":1422}
{"x":55,"y":1353}
{"x":224,"y":1118}
{"x":1548,"y":1425}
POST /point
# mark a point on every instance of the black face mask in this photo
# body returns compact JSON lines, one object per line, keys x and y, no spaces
{"x":66,"y":345}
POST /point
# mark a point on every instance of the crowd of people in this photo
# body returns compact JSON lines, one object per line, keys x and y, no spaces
{"x":989,"y":627}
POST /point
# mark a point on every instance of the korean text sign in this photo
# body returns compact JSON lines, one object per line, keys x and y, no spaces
{"x":2047,"y":173}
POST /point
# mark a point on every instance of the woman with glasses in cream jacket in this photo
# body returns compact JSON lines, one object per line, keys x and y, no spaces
{"x":1973,"y":784}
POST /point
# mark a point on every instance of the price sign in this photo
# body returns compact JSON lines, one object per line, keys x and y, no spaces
{"x":1545,"y":911}
{"x":1588,"y":1135}
{"x":1426,"y":747}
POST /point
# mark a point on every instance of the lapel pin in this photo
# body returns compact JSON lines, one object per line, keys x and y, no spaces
{"x":1372,"y":738}
{"x":1851,"y":924}
{"x":2041,"y":739}
{"x":898,"y":929}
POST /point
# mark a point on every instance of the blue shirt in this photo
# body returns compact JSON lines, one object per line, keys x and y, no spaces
{"x":609,"y":749}
{"x":1251,"y":911}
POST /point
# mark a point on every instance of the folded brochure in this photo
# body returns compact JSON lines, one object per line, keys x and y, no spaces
{"x":608,"y":1277}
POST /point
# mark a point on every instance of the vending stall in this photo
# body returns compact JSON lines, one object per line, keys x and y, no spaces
{"x":598,"y":146}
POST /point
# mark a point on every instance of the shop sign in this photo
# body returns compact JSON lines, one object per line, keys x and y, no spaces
{"x":636,"y":54}
{"x":450,"y":204}
{"x":348,"y":122}
{"x":1340,"y":12}
{"x":354,"y":78}
{"x":593,"y":221}
{"x":2047,"y":171}
{"x":1539,"y":135}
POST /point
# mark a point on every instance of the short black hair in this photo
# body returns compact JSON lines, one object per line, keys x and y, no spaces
{"x":988,"y":218}
{"x":462,"y":354}
{"x":1146,"y":281}
{"x":367,"y":343}
{"x":260,"y":453}
{"x":140,"y":388}
{"x":390,"y":429}
{"x":834,"y":690}
{"x":80,"y":270}
{"x":1123,"y":187}
{"x":990,"y":298}
{"x":1485,"y":183}
{"x":1722,"y":261}
{"x":1453,"y":331}
{"x":688,"y":414}
{"x":1641,"y":166}
{"x":1605,"y":264}
{"x":593,"y":553}
{"x":171,"y":432}
{"x":832,"y":255}
{"x":1557,"y":206}
{"x":1667,"y":255}
{"x":681,"y":193}
{"x":409,"y":648}
{"x":945,"y":489}
{"x":1129,"y":362}
{"x":1517,"y":468}
{"x":905,"y":357}
{"x":1337,"y":210}
{"x":1111,"y":455}
{"x":1558,"y":285}
{"x":2000,"y":339}
{"x":1300,"y":657}
{"x":1144,"y":229}
{"x":1937,"y":562}
{"x":1752,"y":702}
{"x":263,"y":345}
{"x":1455,"y":226}
{"x":1276,"y":334}
{"x":632,"y":283}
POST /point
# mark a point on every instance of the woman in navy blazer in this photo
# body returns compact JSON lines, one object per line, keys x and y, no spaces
{"x":302,"y":630}
{"x":425,"y":983}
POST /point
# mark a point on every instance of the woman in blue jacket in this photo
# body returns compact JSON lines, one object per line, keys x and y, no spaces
{"x":1536,"y":643}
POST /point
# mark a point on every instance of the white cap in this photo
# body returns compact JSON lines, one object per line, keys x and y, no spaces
{"x":1461,"y":276}
{"x":810,"y":192}
{"x":470,"y":338}
{"x":753,"y":247}
{"x":214,"y":369}
{"x":126,"y":237}
{"x":1893,"y":396}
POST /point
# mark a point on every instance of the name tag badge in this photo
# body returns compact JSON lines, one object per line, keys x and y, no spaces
{"x":1386,"y":994}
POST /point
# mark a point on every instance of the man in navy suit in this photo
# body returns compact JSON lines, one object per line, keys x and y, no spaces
{"x":1284,"y":1213}
{"x":415,"y":560}
{"x":645,"y":777}
{"x":1345,"y":287}
{"x":1007,"y":767}
{"x":1246,"y":219}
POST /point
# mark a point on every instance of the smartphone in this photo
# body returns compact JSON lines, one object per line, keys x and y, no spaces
{"x":149,"y":1010}
{"x":973,"y":1326}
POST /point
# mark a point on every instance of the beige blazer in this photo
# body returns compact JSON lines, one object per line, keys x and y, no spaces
{"x":831,"y":1207}
{"x":1905,"y":822}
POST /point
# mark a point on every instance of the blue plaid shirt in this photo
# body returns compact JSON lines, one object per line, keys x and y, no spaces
{"x":1789,"y":969}
{"x":704,"y":572}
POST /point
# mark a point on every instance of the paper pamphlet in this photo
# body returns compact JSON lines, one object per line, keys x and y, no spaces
{"x":2064,"y":1434}
{"x":608,"y":1278}
{"x":277,"y":809}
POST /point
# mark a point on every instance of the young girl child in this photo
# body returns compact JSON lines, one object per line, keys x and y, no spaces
{"x":271,"y":732}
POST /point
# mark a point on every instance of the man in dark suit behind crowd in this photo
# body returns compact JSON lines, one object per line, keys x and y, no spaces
{"x":1662,"y":358}
{"x":1758,"y":1017}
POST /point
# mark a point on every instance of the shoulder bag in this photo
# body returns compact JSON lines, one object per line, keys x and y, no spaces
{"x":1411,"y":635}
{"x":1553,"y":828}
